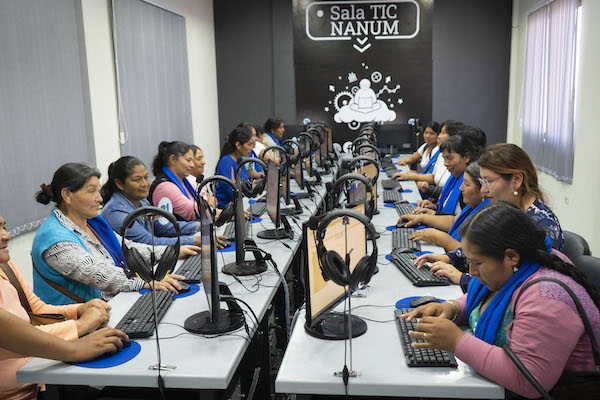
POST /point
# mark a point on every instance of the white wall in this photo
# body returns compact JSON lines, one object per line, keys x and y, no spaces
{"x":576,"y":204}
{"x":97,"y":22}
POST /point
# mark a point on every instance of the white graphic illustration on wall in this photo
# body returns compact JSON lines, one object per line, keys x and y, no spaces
{"x":358,"y":104}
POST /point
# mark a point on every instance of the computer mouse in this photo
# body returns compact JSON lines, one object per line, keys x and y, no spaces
{"x":184,"y":287}
{"x":423,"y":300}
{"x":126,"y":343}
{"x":401,"y":224}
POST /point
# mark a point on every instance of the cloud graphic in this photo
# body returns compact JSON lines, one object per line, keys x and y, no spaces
{"x":381,"y":114}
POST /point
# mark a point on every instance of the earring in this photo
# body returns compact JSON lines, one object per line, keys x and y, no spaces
{"x":515,"y":269}
{"x":515,"y":193}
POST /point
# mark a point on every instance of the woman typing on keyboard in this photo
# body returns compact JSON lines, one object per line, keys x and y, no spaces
{"x":76,"y":254}
{"x":508,"y":304}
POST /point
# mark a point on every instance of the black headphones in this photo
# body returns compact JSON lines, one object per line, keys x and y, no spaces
{"x":368,"y":160}
{"x":289,"y":145}
{"x":357,"y":151}
{"x":318,"y":134}
{"x":229,"y":210}
{"x":339,"y":184}
{"x":359,"y":141}
{"x":245,"y":185}
{"x":134,"y":260}
{"x":333,"y":266}
{"x":313,"y":144}
{"x":282,"y":154}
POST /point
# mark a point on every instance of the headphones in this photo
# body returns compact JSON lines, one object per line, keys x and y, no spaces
{"x":368,"y":160}
{"x":229,"y":210}
{"x":318,"y":134}
{"x":337,"y":189}
{"x":359,"y":141}
{"x":289,"y":146}
{"x":333,"y":266}
{"x":282,"y":154}
{"x":134,"y":260}
{"x":357,"y":150}
{"x":245,"y":185}
{"x":313,"y":145}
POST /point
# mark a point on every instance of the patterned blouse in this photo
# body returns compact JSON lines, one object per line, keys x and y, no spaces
{"x":97,"y":267}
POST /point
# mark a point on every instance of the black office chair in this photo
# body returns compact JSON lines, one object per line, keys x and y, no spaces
{"x":590,"y":266}
{"x":575,"y":246}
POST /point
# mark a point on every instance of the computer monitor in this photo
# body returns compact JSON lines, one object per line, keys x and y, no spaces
{"x":329,"y":141}
{"x":273,"y":206}
{"x":305,"y":146}
{"x":318,"y":157}
{"x":215,"y":320}
{"x":357,"y":193}
{"x":322,"y":296}
{"x":370,"y":171}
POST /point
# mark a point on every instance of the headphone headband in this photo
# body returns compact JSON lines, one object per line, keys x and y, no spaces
{"x":249,"y":160}
{"x":358,"y":177}
{"x":281,"y":150}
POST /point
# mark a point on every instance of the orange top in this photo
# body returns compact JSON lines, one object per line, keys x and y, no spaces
{"x":11,"y":362}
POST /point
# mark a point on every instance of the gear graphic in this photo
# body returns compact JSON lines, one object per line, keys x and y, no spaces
{"x":354,"y":125}
{"x":376,"y":77}
{"x":337,"y":97}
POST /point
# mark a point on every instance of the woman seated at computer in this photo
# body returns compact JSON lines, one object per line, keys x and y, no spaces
{"x":81,"y":320}
{"x":78,"y":250}
{"x":239,"y":143}
{"x":507,"y":250}
{"x":428,"y":153}
{"x":274,"y":131}
{"x":254,"y":170}
{"x":507,"y":174}
{"x":171,"y":165}
{"x":444,"y":229}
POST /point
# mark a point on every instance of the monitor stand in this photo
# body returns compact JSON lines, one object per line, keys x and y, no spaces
{"x":279,"y":233}
{"x":334,"y":326}
{"x":229,"y":320}
{"x":247,"y":267}
{"x":297,"y":210}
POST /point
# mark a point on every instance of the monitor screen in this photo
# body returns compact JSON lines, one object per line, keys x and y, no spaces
{"x":356,"y":193}
{"x":324,"y":295}
{"x":273,"y":193}
{"x":329,"y":140}
{"x":318,"y":157}
{"x":240,"y":228}
{"x":210,"y":280}
{"x":370,"y":171}
{"x":298,"y":174}
{"x":285,"y":183}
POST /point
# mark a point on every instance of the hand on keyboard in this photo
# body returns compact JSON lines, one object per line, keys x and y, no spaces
{"x":443,"y":310}
{"x":446,"y":270}
{"x":222,"y":242}
{"x":438,"y":333}
{"x":421,"y":210}
{"x":429,"y":235}
{"x":426,"y":204}
{"x":411,"y":220}
{"x":188,"y":250}
{"x":169,"y":283}
{"x":431,"y":258}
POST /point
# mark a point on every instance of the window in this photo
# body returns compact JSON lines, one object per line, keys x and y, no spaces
{"x":549,"y":87}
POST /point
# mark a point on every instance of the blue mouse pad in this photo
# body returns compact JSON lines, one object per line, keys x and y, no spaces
{"x":406,"y":191}
{"x":420,"y":253}
{"x":418,"y":227}
{"x":254,"y":220}
{"x":389,"y":205}
{"x":193,"y":289}
{"x":414,"y":204}
{"x":391,"y":228}
{"x":227,"y":249}
{"x":405,"y":302}
{"x":112,"y":360}
{"x":251,"y":201}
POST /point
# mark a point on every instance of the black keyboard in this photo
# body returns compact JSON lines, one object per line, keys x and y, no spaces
{"x":392,"y":196}
{"x":420,"y":357}
{"x":257,"y":209}
{"x":229,"y":231}
{"x":390,"y":172}
{"x":418,"y":277}
{"x":403,"y":208}
{"x":139,"y":320}
{"x":391,"y":184}
{"x":387,"y":164}
{"x":191,"y":268}
{"x":400,"y":239}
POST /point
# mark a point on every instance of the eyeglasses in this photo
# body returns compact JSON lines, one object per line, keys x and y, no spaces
{"x":487,"y":182}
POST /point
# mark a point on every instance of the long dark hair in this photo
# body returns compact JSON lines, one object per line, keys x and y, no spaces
{"x":500,"y":226}
{"x":239,"y":134}
{"x":118,"y":170}
{"x":71,"y":176}
{"x":165,"y":150}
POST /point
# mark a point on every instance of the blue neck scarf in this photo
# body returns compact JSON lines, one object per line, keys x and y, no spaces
{"x":429,"y":167}
{"x":451,"y":192}
{"x":109,"y":240}
{"x":464,"y":215}
{"x":181,"y":185}
{"x":274,"y":138}
{"x":490,"y":319}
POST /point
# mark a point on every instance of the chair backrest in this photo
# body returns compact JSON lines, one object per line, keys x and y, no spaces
{"x":575,"y":246}
{"x":590,"y":266}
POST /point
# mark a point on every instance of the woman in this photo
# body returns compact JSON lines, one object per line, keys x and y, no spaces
{"x":78,"y":250}
{"x":274,"y":131}
{"x":125,"y":191}
{"x":440,"y":224}
{"x":173,"y":162}
{"x":258,"y":144}
{"x":507,"y":250}
{"x":507,"y":174}
{"x":428,"y":152}
{"x":81,"y":320}
{"x":255,"y":171}
{"x":239,"y":143}
{"x":199,"y":164}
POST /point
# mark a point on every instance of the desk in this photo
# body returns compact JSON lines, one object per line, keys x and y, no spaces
{"x":309,"y":363}
{"x":201,"y":363}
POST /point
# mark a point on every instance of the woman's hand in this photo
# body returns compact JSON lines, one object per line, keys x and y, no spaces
{"x":426,"y":204}
{"x":439,"y":333}
{"x":423,"y":186}
{"x":89,"y":347}
{"x":431,"y":258}
{"x":447,"y":271}
{"x":400,"y":176}
{"x":402,"y":162}
{"x":429,"y":235}
{"x":94,"y":303}
{"x":92,"y":319}
{"x":412,"y":220}
{"x":188,"y":250}
{"x":221,"y":242}
{"x":443,"y":310}
{"x":169,"y":282}
{"x":421,"y":210}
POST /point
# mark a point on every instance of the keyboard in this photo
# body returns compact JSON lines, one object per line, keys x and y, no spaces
{"x":139,"y":320}
{"x":392,"y":196}
{"x":191,"y":268}
{"x":418,"y":277}
{"x":390,"y":172}
{"x":229,"y":231}
{"x":420,"y":357}
{"x":400,"y":239}
{"x":403,"y":208}
{"x":257,"y":209}
{"x":391,"y":184}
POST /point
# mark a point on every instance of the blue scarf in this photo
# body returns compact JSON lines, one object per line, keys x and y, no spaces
{"x":179,"y":184}
{"x":429,"y":167}
{"x":464,"y":215}
{"x":274,"y":138}
{"x":108,"y":239}
{"x":490,"y":319}
{"x":451,"y":192}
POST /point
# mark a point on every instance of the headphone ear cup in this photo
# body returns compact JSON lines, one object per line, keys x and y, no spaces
{"x":362,"y":272}
{"x":225,"y":215}
{"x":336,"y":268}
{"x":259,"y":188}
{"x":246,"y":188}
{"x":167,"y":262}
{"x":137,"y":264}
